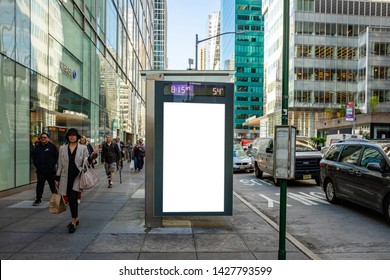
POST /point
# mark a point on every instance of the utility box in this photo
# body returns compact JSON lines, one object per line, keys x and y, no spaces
{"x":189,"y":134}
{"x":284,"y":152}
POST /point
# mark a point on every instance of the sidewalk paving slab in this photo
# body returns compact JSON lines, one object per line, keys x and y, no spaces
{"x":112,"y":227}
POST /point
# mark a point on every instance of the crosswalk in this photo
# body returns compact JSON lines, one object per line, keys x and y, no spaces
{"x":309,"y":198}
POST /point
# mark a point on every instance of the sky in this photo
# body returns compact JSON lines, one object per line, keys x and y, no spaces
{"x":186,"y":18}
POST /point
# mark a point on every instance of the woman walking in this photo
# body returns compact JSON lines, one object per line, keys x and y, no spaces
{"x":137,"y":156}
{"x":70,"y":163}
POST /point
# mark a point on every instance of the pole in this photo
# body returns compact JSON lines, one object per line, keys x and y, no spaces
{"x":196,"y":52}
{"x":197,"y":41}
{"x":283,"y":185}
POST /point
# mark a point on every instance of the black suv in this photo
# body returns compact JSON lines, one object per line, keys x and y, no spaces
{"x":358,"y":172}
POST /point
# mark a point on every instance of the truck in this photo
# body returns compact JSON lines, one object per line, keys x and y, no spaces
{"x":307,"y":159}
{"x":334,"y":138}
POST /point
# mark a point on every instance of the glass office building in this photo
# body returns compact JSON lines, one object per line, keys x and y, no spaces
{"x":244,"y":53}
{"x":328,"y":60}
{"x":70,"y":64}
{"x":160,"y":34}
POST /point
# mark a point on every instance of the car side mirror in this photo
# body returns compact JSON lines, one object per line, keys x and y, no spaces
{"x":269,"y":150}
{"x":374,"y":166}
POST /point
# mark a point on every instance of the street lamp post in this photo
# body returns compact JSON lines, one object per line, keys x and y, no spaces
{"x":197,"y":41}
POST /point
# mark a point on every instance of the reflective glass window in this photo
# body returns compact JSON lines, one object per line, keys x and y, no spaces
{"x":7,"y":29}
{"x":7,"y":125}
{"x":23,"y":38}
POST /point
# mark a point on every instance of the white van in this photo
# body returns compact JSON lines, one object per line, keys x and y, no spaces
{"x":307,"y":159}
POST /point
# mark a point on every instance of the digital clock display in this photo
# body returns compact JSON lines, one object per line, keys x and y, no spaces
{"x":194,"y":89}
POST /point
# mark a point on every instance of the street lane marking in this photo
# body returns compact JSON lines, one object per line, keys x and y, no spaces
{"x":289,"y":237}
{"x":271,"y":201}
{"x":307,"y":199}
{"x":253,"y":182}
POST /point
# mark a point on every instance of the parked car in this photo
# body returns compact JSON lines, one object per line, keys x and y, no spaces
{"x":307,"y":158}
{"x":358,"y":172}
{"x":237,"y":147}
{"x":241,"y":161}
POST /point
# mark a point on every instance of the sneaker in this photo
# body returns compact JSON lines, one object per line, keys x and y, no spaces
{"x":37,"y":202}
{"x":110,"y":185}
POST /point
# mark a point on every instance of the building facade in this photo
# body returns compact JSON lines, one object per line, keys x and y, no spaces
{"x":249,"y":66}
{"x":70,"y":64}
{"x":160,"y":35}
{"x":227,"y":50}
{"x":328,"y":65}
{"x":213,"y":30}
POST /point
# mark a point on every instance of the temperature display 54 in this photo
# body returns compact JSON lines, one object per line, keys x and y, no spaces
{"x":194,"y":89}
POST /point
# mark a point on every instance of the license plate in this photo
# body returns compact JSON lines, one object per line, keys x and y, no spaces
{"x":306,"y":176}
{"x":242,"y":167}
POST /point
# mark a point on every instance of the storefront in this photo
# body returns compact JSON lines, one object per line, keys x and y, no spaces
{"x":57,"y":72}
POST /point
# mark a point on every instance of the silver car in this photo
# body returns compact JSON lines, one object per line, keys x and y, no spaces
{"x":241,"y":161}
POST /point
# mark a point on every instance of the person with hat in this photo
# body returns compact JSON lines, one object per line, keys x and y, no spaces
{"x":110,"y":157}
{"x":45,"y":156}
{"x":70,"y":163}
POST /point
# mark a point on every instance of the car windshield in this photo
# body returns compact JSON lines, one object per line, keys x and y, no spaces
{"x":239,"y":153}
{"x":305,"y":145}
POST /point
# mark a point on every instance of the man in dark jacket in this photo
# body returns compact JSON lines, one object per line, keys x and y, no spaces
{"x":45,"y":158}
{"x":110,"y":157}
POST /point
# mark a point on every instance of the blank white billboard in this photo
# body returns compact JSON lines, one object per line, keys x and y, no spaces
{"x":194,"y":157}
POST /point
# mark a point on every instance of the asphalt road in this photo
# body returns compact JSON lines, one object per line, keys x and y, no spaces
{"x":335,"y":232}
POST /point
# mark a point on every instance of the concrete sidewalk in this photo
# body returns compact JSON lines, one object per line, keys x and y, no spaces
{"x":112,"y":227}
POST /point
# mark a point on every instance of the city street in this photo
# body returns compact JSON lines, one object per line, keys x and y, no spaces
{"x":336,"y":232}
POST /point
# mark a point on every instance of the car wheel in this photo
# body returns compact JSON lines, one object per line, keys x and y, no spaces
{"x":258,"y":172}
{"x":330,"y":191}
{"x":387,"y":210}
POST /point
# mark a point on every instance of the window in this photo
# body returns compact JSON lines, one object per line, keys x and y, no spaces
{"x":371,"y":155}
{"x":351,"y":154}
{"x":333,"y":152}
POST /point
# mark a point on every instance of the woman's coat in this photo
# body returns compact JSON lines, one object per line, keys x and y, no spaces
{"x":63,"y":164}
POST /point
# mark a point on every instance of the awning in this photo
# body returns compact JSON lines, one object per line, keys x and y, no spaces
{"x":252,"y":121}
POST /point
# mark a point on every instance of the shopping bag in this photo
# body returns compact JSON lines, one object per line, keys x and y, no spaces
{"x":132,"y":165}
{"x":88,"y":178}
{"x":57,"y":204}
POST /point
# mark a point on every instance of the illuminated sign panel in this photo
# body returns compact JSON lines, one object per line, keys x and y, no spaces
{"x":193,"y":148}
{"x":193,"y":176}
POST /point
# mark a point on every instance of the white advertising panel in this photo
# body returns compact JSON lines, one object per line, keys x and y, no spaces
{"x":194,"y":157}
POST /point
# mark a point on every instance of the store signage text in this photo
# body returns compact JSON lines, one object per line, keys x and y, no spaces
{"x":69,"y":71}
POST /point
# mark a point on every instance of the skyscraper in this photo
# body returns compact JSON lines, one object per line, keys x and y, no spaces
{"x":214,"y":43}
{"x":160,"y":34}
{"x":328,"y":60}
{"x":249,"y":65}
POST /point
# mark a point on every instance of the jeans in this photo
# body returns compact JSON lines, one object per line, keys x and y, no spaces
{"x":136,"y":163}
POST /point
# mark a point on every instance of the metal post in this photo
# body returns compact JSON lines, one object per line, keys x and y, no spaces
{"x":197,"y":41}
{"x":196,"y":51}
{"x":283,"y":185}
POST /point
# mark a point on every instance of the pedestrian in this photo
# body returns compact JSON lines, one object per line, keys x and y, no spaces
{"x":122,"y":148}
{"x":92,"y":155}
{"x":70,"y":164}
{"x":137,"y":157}
{"x":129,"y":149}
{"x":142,"y":154}
{"x":110,"y":158}
{"x":45,"y":156}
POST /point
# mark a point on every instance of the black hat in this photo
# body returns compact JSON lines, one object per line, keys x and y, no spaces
{"x":73,"y":131}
